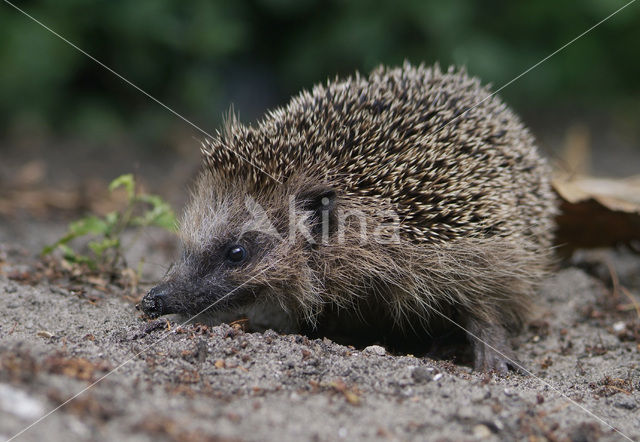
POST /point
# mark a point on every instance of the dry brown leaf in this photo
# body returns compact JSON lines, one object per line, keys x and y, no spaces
{"x":615,"y":194}
{"x":597,"y":212}
{"x":350,"y":394}
{"x":79,"y":368}
{"x":97,"y":282}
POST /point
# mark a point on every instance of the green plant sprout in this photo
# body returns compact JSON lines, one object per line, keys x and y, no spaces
{"x":142,"y":210}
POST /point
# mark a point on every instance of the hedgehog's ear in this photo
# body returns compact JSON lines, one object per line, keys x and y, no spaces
{"x":320,"y":201}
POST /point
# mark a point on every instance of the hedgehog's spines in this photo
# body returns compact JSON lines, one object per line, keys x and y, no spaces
{"x":472,"y":196}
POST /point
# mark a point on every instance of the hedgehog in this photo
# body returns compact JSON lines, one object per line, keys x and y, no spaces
{"x":411,"y":200}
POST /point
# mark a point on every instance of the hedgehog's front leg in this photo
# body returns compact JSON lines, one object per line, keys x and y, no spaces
{"x":491,"y":348}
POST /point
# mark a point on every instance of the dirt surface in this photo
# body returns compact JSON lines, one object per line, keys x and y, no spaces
{"x":141,"y":380}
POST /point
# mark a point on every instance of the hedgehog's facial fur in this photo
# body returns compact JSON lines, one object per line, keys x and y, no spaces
{"x":215,"y":277}
{"x":221,"y":218}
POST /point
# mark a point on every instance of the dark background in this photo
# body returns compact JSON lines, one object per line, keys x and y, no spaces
{"x":73,"y":122}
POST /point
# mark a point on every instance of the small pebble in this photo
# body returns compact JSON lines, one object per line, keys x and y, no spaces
{"x":627,"y":404}
{"x":19,"y":403}
{"x":495,"y":426}
{"x":421,"y":375}
{"x":481,"y":431}
{"x":619,"y":326}
{"x":376,"y":350}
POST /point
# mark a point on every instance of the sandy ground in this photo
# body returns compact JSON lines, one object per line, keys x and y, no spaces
{"x":139,"y":380}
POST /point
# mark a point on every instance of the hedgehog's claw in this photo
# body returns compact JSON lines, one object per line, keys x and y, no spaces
{"x":491,"y":350}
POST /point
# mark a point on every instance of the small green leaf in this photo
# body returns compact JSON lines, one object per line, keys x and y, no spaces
{"x":99,"y":247}
{"x":68,"y":253}
{"x":160,"y":214}
{"x":112,"y":218}
{"x":154,"y":200}
{"x":127,"y":181}
{"x":81,"y":227}
{"x":167,"y":221}
{"x":91,"y":224}
{"x":71,"y":256}
{"x":46,"y":250}
{"x":51,"y":247}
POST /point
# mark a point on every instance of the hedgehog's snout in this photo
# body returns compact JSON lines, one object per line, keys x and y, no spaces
{"x":154,"y":303}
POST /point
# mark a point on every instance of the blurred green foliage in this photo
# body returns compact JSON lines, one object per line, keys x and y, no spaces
{"x":200,"y":56}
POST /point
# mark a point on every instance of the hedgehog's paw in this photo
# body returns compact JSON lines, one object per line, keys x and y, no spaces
{"x":491,"y":349}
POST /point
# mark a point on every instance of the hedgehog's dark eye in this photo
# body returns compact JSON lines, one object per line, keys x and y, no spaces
{"x":236,"y":254}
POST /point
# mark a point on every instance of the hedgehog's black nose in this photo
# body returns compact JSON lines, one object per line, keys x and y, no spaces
{"x":153,"y":303}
